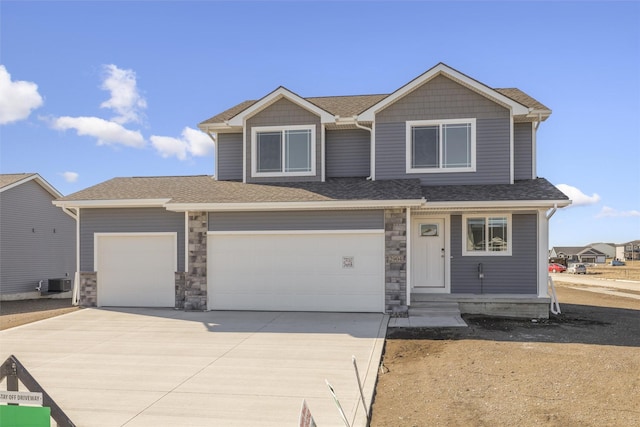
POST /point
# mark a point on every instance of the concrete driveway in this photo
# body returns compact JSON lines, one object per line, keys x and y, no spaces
{"x":164,"y":367}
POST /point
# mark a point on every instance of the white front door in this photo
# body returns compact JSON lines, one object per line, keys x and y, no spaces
{"x":429,"y":255}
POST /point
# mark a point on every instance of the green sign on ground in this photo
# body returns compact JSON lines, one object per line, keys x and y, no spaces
{"x":25,"y":416}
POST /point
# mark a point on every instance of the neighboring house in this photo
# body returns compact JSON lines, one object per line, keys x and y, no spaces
{"x":609,"y":249}
{"x":37,"y":239}
{"x":344,"y":203}
{"x":574,"y":254}
{"x":629,"y":251}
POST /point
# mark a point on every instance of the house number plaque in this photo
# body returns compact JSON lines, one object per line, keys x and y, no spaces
{"x":396,"y":259}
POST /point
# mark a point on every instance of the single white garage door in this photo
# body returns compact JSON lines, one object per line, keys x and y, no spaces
{"x":136,"y":270}
{"x":323,"y":271}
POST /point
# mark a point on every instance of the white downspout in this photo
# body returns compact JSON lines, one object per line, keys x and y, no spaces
{"x":372,"y":150}
{"x":75,"y":297}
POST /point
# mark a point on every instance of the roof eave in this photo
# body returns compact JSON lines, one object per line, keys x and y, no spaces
{"x":281,"y":206}
{"x":498,"y":204}
{"x":117,"y":203}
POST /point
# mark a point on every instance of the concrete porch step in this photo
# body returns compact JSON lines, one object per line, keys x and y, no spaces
{"x":434,"y":308}
{"x":430,"y":314}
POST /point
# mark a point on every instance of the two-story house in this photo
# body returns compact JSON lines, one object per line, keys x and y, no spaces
{"x":343,"y":203}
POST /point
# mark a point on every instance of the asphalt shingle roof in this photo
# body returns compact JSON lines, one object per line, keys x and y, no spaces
{"x":347,"y":106}
{"x":11,"y":178}
{"x":205,"y":189}
{"x":530,"y":189}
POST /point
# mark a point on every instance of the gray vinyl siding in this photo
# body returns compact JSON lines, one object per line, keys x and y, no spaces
{"x":284,"y":113}
{"x":523,"y":150}
{"x":294,"y":220}
{"x":229,"y":160}
{"x":442,"y":98}
{"x":127,"y":220}
{"x":37,"y":239}
{"x":515,"y":274}
{"x":348,"y":153}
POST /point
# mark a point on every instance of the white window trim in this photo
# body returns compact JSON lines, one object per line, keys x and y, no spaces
{"x":409,"y":148}
{"x":484,"y":215}
{"x":254,"y":150}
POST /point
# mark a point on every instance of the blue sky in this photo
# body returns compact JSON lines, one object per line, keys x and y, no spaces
{"x":94,"y":90}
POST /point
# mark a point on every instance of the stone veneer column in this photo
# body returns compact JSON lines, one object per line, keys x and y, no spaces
{"x":195,"y":283}
{"x":395,"y":269}
{"x":88,"y":292}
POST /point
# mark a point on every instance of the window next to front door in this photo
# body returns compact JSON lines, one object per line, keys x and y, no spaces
{"x":486,"y":234}
{"x":283,"y":151}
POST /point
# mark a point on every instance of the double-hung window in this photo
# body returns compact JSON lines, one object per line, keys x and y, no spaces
{"x":283,"y":151}
{"x":486,"y":234}
{"x":441,"y":146}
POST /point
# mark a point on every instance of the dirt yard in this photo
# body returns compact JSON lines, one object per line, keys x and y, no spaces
{"x":580,"y":368}
{"x":16,"y":313}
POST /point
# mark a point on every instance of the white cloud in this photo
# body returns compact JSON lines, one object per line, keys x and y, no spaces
{"x":192,"y":143}
{"x":17,"y":98}
{"x":608,"y":212}
{"x":577,"y":196}
{"x":107,"y":133}
{"x":125,"y":99}
{"x":70,"y":176}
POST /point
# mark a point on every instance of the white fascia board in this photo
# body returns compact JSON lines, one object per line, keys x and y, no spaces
{"x":124,"y":203}
{"x":289,"y":206}
{"x":219,"y":128}
{"x":281,"y":92}
{"x":517,"y":108}
{"x":500,"y":204}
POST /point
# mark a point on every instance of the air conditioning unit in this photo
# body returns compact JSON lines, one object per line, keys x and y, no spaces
{"x":59,"y":285}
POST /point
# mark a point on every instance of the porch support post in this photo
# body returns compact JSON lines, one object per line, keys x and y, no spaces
{"x":543,"y":253}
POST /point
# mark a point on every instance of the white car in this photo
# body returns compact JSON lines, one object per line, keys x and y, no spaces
{"x":577,"y":269}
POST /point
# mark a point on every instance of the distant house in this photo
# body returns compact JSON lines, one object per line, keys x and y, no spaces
{"x":628,"y":251}
{"x":37,"y":239}
{"x":609,"y":249}
{"x":578,"y":254}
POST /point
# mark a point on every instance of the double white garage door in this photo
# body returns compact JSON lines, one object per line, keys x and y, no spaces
{"x":295,"y":271}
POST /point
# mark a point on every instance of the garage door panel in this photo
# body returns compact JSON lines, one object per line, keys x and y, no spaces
{"x":296,"y":271}
{"x":136,"y":270}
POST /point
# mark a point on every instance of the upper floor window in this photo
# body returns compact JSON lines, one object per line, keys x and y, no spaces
{"x":283,"y":151}
{"x":487,"y":235}
{"x":441,"y":145}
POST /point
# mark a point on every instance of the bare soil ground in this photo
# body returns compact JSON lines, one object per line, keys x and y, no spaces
{"x":579,"y":368}
{"x":16,"y":313}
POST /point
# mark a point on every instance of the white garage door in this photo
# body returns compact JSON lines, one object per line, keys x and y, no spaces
{"x":328,"y":271}
{"x":136,"y":270}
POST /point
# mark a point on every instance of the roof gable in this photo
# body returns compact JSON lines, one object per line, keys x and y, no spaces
{"x":9,"y":181}
{"x":281,"y":92}
{"x":442,"y":69}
